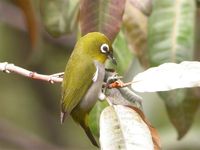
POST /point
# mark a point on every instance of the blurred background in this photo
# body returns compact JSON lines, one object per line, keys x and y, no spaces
{"x":30,"y":109}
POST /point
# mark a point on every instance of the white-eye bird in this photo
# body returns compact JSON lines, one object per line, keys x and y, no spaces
{"x":83,"y":78}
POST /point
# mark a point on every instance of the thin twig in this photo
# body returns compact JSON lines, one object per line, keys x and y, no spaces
{"x":8,"y":68}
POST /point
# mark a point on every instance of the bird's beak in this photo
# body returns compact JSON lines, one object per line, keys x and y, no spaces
{"x":110,"y":56}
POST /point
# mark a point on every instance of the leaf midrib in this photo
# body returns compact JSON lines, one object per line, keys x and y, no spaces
{"x":175,"y":30}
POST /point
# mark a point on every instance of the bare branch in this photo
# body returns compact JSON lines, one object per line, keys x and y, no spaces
{"x":7,"y":68}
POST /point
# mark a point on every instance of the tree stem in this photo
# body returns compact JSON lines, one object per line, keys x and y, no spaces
{"x":8,"y":68}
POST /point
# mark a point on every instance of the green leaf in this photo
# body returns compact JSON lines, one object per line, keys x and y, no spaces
{"x":171,"y":31}
{"x":104,"y":16}
{"x":181,"y":110}
{"x":171,"y":39}
{"x":122,"y":54}
{"x":59,"y":16}
{"x":197,"y":33}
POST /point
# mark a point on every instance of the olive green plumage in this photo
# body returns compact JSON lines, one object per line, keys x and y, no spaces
{"x":78,"y":77}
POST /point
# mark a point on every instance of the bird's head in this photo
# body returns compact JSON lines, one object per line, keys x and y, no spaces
{"x":98,"y":46}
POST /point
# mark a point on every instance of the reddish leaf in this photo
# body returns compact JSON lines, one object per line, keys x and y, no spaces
{"x":101,"y":15}
{"x":135,"y":25}
{"x":154,"y":133}
{"x":31,"y":20}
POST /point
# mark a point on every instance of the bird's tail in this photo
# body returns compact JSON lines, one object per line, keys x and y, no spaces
{"x":63,"y":115}
{"x":89,"y":133}
{"x":84,"y":125}
{"x":81,"y":117}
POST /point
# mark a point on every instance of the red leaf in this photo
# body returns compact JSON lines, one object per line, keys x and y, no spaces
{"x":101,"y":15}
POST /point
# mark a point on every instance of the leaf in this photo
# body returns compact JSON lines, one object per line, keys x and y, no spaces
{"x":145,"y":6}
{"x":197,"y":33}
{"x":171,"y":37}
{"x":122,"y":54}
{"x":168,"y":76}
{"x":101,"y":15}
{"x":198,"y":3}
{"x":59,"y":16}
{"x":122,"y":128}
{"x":31,"y":19}
{"x":135,"y":29}
{"x":123,"y":96}
{"x":154,"y":133}
{"x":182,"y":110}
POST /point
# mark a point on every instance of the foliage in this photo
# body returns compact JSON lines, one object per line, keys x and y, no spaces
{"x":153,"y":32}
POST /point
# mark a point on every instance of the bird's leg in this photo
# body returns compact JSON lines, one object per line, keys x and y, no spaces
{"x":119,"y":84}
{"x":112,"y":80}
{"x":109,"y":79}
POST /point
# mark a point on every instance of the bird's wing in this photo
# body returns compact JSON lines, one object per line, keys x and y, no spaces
{"x":93,"y":92}
{"x":77,"y":80}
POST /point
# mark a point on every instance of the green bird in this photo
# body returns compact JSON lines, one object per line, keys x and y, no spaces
{"x":83,"y":78}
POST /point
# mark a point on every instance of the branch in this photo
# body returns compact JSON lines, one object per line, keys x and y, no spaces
{"x":8,"y":68}
{"x":58,"y":77}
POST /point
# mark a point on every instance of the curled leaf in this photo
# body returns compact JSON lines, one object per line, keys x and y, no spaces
{"x":123,"y":128}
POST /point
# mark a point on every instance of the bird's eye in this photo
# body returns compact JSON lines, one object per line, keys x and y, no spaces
{"x":104,"y":48}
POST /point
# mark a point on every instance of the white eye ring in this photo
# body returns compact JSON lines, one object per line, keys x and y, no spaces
{"x":104,"y":48}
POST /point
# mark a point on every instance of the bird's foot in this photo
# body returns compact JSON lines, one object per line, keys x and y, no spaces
{"x":115,"y":82}
{"x":101,"y":96}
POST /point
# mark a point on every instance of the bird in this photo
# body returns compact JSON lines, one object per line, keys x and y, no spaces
{"x":83,"y":78}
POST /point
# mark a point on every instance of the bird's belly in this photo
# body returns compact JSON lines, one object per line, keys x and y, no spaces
{"x":92,"y":94}
{"x":91,"y":97}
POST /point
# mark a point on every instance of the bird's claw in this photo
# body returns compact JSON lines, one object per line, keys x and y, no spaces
{"x":113,"y":78}
{"x":116,"y":84}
